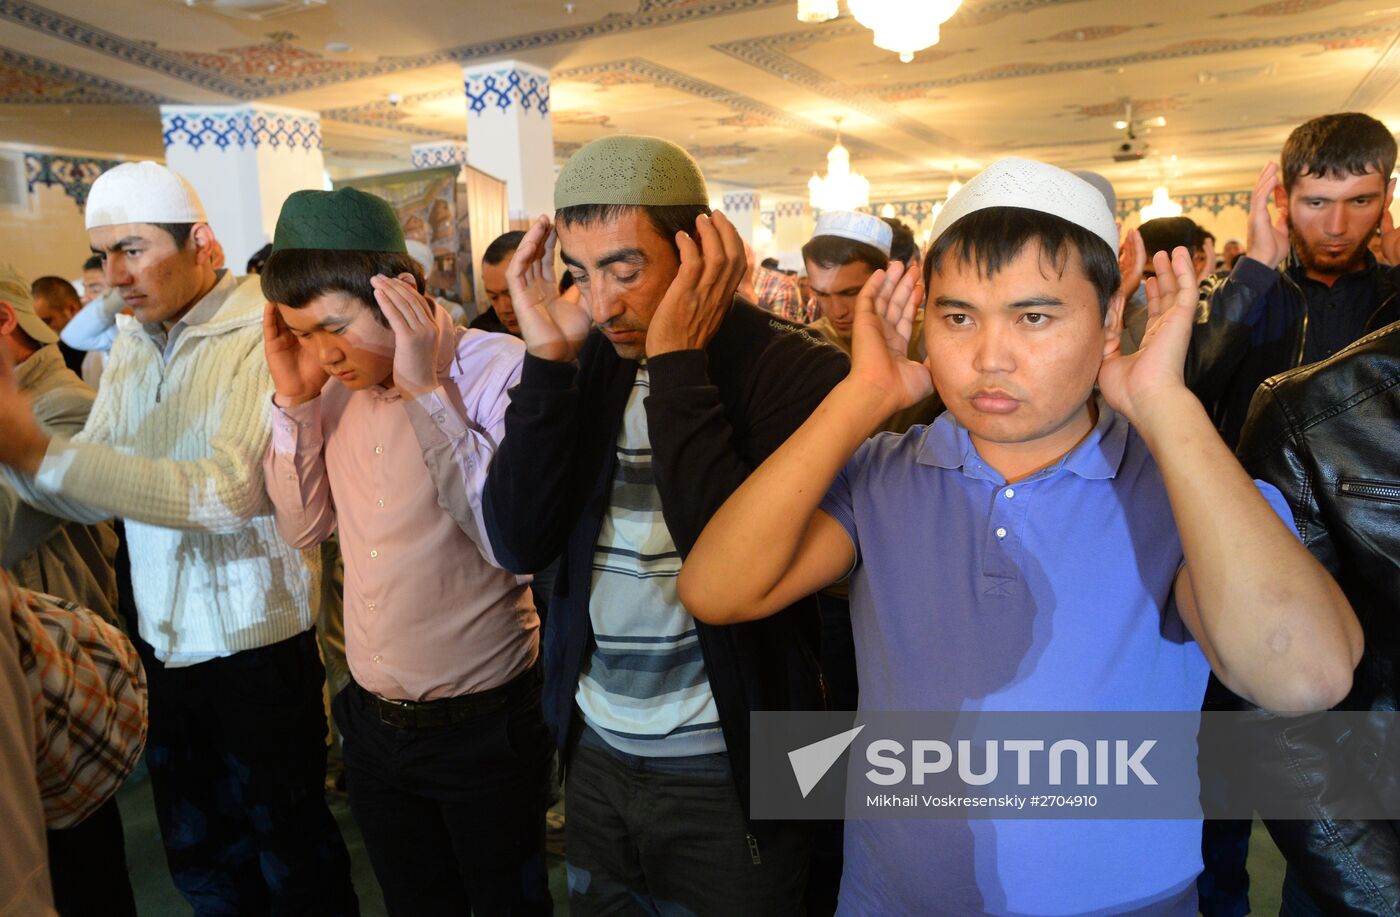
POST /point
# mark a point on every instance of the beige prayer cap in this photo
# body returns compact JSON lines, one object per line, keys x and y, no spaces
{"x":630,"y":170}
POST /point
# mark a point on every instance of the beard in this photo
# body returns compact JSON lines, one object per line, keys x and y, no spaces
{"x":1316,"y":261}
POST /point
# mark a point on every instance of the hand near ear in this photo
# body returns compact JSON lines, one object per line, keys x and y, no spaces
{"x":1267,"y":239}
{"x":22,"y":442}
{"x":1133,"y":384}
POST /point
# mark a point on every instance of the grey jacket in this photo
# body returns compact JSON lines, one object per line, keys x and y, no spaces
{"x":44,"y":553}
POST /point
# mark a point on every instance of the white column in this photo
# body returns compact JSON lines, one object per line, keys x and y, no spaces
{"x":793,"y":226}
{"x":243,"y":160}
{"x":742,"y":208}
{"x":510,"y":133}
{"x":439,"y":153}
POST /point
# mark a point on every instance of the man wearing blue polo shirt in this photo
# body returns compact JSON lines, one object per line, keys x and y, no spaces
{"x":1041,"y":546}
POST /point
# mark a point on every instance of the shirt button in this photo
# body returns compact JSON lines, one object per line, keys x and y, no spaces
{"x":376,"y":553}
{"x":372,"y":606}
{"x":1009,"y":492}
{"x":440,"y":416}
{"x":378,"y":658}
{"x":378,"y":450}
{"x":1001,"y":533}
{"x":379,"y":503}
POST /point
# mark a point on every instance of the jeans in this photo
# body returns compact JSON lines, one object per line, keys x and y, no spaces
{"x":237,"y":756}
{"x":668,"y":836}
{"x":452,"y":816}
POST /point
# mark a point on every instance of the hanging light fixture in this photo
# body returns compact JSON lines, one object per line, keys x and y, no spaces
{"x":817,"y":10}
{"x":1161,"y":206}
{"x":904,"y":26}
{"x":841,"y":189}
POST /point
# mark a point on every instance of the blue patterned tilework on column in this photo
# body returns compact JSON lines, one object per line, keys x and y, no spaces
{"x":500,"y":90}
{"x":241,"y":128}
{"x":741,"y":202}
{"x":431,"y":155}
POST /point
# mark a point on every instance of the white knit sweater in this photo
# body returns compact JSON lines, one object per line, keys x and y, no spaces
{"x":176,"y":450}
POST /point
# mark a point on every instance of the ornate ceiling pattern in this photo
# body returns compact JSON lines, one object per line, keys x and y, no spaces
{"x":751,"y":92}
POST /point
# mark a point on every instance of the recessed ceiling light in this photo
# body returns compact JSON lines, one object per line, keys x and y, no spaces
{"x":336,"y":47}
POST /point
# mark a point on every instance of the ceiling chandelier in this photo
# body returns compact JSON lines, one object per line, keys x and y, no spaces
{"x":902,"y":26}
{"x":841,"y":189}
{"x":1161,"y":206}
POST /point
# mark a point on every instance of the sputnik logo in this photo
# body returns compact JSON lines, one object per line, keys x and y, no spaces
{"x":811,"y":762}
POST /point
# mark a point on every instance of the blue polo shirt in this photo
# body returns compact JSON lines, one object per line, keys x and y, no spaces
{"x":1053,"y":593}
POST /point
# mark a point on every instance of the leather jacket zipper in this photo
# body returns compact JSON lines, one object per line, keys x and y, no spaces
{"x":1372,"y":489}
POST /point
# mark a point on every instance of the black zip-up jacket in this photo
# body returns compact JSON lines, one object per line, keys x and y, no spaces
{"x":1260,"y":323}
{"x":1328,"y":436}
{"x":713,"y":417}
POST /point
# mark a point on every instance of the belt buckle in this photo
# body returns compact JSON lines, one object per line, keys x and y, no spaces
{"x":398,"y":714}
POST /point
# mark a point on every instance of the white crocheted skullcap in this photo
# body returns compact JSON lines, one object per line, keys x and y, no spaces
{"x":142,"y":192}
{"x":859,"y":227}
{"x":1032,"y":185}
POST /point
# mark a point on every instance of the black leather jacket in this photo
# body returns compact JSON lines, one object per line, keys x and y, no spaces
{"x":1328,"y":436}
{"x":1256,"y":326}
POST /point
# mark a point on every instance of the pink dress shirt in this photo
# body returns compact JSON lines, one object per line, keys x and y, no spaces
{"x":428,"y":614}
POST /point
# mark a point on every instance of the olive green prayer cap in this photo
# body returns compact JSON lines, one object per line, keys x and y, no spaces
{"x":346,"y":219}
{"x":630,"y":170}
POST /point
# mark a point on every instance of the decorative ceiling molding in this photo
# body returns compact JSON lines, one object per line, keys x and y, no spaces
{"x":28,"y":80}
{"x":1198,"y":48}
{"x":385,"y":115}
{"x":751,"y":112}
{"x":202,"y":69}
{"x":1378,"y":83}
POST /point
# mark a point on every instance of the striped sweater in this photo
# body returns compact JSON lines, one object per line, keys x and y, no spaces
{"x":175,"y":448}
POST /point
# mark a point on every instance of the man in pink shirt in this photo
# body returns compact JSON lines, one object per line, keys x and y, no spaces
{"x":384,"y":424}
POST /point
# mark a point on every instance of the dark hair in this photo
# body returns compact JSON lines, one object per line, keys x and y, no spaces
{"x":667,"y":220}
{"x":992,"y":238}
{"x":770,"y":263}
{"x":55,"y":289}
{"x":837,"y":251}
{"x":93,"y":263}
{"x":295,"y":276}
{"x":1164,"y":234}
{"x":501,"y":246}
{"x":566,"y":280}
{"x":1338,"y":145}
{"x":180,"y":232}
{"x":903,"y":248}
{"x":259,"y":259}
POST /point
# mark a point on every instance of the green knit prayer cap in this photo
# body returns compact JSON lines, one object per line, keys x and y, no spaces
{"x":630,"y":170}
{"x":346,"y":219}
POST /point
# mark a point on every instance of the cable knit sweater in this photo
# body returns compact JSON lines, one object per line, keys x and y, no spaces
{"x":175,"y":448}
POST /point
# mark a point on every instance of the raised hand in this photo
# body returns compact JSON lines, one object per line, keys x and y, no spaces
{"x":699,"y":297}
{"x":884,"y":319}
{"x":1134,"y":384}
{"x":554,"y":327}
{"x":417,"y":336}
{"x":22,"y":441}
{"x":297,"y":375}
{"x":1390,"y":238}
{"x":1267,"y":238}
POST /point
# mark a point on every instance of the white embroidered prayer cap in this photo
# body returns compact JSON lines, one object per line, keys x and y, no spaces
{"x":859,"y":227}
{"x":142,"y":192}
{"x":1032,"y":185}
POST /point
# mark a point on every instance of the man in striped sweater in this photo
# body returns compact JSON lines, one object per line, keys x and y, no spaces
{"x":174,"y":446}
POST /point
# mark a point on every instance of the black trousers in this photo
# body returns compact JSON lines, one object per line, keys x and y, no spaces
{"x":452,"y":816}
{"x":87,"y":865}
{"x":237,"y":755}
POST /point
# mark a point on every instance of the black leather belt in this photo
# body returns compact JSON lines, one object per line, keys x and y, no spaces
{"x":408,"y":714}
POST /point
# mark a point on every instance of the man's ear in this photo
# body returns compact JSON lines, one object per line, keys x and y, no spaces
{"x":1113,"y":324}
{"x":1281,"y":198}
{"x":8,"y":320}
{"x":202,"y":237}
{"x":412,"y":281}
{"x":1389,"y":195}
